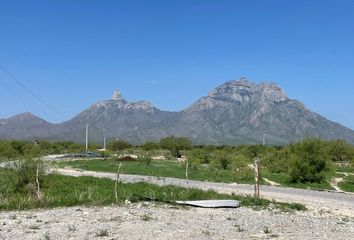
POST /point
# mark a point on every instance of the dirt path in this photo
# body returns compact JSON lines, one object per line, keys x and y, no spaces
{"x":346,"y":173}
{"x":334,"y":183}
{"x":333,"y":202}
{"x":272,"y":183}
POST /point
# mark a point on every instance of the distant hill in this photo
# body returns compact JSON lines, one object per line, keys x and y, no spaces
{"x":235,"y":112}
{"x":242,"y":112}
{"x":24,"y":126}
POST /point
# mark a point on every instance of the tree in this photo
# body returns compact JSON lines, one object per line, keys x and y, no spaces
{"x":196,"y":157}
{"x":7,"y":151}
{"x":118,"y":145}
{"x":69,"y":146}
{"x":145,"y":157}
{"x":239,"y":166}
{"x":175,"y":144}
{"x":21,"y":146}
{"x":254,"y":151}
{"x":340,"y":151}
{"x":277,"y":160}
{"x":309,"y":161}
{"x":221,"y":159}
{"x":147,"y":146}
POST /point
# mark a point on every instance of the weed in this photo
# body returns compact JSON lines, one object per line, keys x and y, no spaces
{"x":116,"y":219}
{"x":267,"y":230}
{"x":102,"y":233}
{"x":291,"y":207}
{"x":239,"y":228}
{"x":146,"y":217}
{"x":46,"y":236}
{"x":71,"y":228}
{"x":34,"y":227}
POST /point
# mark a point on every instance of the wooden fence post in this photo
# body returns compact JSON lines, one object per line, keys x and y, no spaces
{"x":39,"y":195}
{"x":116,"y":182}
{"x":256,"y":177}
{"x":187,"y":163}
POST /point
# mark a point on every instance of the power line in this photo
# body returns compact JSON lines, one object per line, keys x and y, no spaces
{"x":19,"y":96}
{"x":29,"y":91}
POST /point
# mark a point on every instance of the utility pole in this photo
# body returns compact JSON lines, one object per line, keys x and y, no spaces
{"x":104,"y":139}
{"x":263,"y":139}
{"x":87,"y":136}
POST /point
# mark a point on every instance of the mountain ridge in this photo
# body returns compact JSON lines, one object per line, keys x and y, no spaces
{"x":238,"y":111}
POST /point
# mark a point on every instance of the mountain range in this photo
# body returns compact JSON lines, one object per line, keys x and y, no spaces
{"x":235,"y":112}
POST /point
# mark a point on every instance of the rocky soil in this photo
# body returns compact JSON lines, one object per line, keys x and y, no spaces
{"x":150,"y":221}
{"x":330,"y":217}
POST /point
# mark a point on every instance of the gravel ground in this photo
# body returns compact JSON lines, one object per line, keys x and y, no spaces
{"x":335,"y":202}
{"x":331,"y":216}
{"x":149,"y":221}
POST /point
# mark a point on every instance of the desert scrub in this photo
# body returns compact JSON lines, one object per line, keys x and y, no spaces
{"x":23,"y":177}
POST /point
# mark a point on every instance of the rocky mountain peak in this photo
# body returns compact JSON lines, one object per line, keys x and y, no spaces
{"x":119,"y":103}
{"x":117,"y":95}
{"x":235,"y":90}
{"x":141,"y":105}
{"x":273,"y":92}
{"x":243,"y":90}
{"x":25,"y":116}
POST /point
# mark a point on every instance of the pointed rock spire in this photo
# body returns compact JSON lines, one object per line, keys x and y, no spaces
{"x":117,"y":95}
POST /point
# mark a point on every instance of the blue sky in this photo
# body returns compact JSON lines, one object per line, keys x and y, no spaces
{"x":74,"y":53}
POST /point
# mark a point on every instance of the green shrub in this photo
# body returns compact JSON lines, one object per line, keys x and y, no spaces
{"x":197,"y":156}
{"x":309,"y":161}
{"x":8,"y":180}
{"x":254,"y":151}
{"x":221,"y":159}
{"x":239,"y":166}
{"x":340,"y":151}
{"x":277,"y":161}
{"x":148,"y":146}
{"x":26,"y":171}
{"x":118,"y":145}
{"x":20,"y":178}
{"x":145,"y":158}
{"x":7,"y":151}
{"x":175,"y":144}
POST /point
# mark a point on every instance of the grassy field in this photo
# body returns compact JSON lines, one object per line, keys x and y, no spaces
{"x":348,"y":184}
{"x":285,"y":181}
{"x":170,"y":168}
{"x":348,"y":169}
{"x":60,"y":190}
{"x":160,"y":168}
